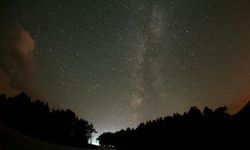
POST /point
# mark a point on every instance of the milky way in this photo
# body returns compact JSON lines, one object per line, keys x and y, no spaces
{"x":148,"y":39}
{"x":120,"y":62}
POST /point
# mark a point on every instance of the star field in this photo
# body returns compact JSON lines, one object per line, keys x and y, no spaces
{"x":120,"y":62}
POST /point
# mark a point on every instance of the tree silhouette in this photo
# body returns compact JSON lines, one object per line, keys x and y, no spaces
{"x":191,"y":129}
{"x":207,"y":112}
{"x":34,"y":118}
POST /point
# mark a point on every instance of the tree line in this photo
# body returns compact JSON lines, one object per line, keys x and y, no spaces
{"x":35,"y":119}
{"x":209,"y":128}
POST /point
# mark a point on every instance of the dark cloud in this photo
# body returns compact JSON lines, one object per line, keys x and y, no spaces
{"x":17,"y":55}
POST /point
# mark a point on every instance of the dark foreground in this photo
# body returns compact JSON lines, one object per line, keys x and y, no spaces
{"x":12,"y":140}
{"x":194,"y":129}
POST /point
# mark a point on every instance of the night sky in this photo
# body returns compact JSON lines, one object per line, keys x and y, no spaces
{"x":120,"y":62}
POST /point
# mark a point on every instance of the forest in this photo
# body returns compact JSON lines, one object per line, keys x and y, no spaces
{"x":36,"y":119}
{"x":190,"y":129}
{"x":210,"y":128}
